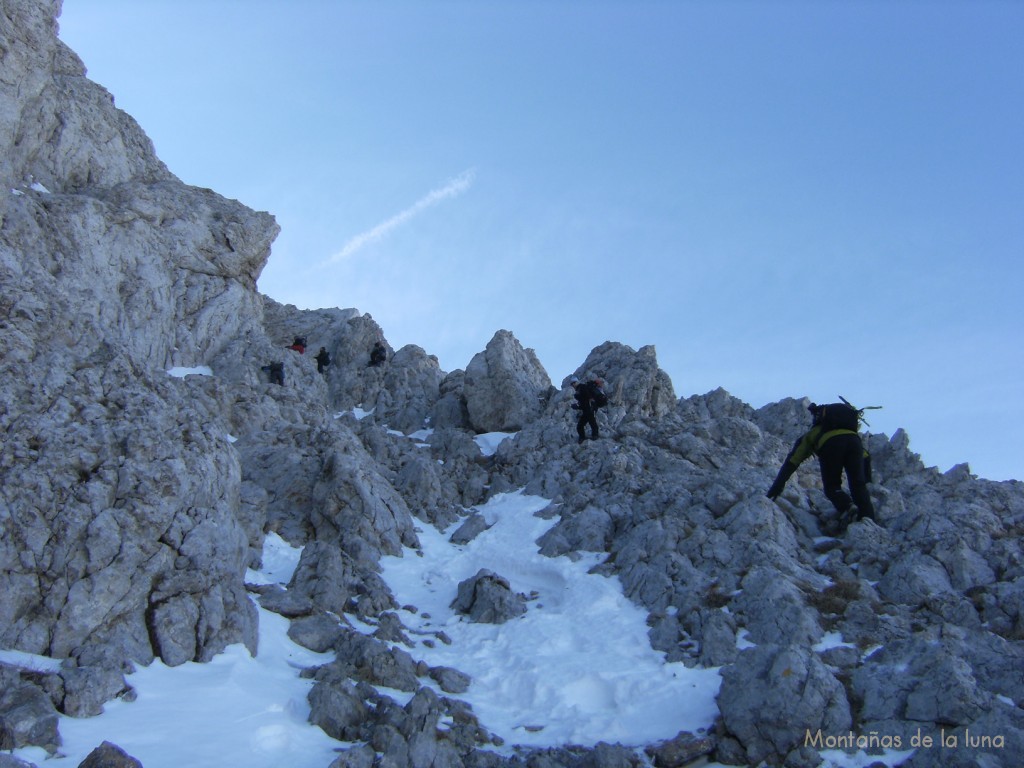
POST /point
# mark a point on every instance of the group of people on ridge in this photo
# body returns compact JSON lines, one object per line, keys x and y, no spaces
{"x":275,"y":371}
{"x":833,"y":437}
{"x":323,"y":357}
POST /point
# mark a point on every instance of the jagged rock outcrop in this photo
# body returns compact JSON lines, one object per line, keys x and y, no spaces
{"x":505,"y":386}
{"x":56,"y":127}
{"x":132,"y":500}
{"x":636,"y":387}
{"x":677,"y":501}
{"x":401,"y":393}
{"x":111,"y":270}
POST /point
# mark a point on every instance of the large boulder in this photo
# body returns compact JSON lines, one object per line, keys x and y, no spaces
{"x":505,"y":386}
{"x":337,"y":708}
{"x":636,"y":387}
{"x":921,"y":681}
{"x":411,"y":387}
{"x":772,"y":696}
{"x":108,"y":755}
{"x":487,"y":598}
{"x":27,"y":716}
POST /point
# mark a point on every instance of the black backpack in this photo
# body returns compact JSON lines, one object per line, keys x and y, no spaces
{"x":838,"y":416}
{"x":592,"y":392}
{"x":841,"y":415}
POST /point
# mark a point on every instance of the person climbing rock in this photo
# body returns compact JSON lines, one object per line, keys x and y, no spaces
{"x":275,"y":373}
{"x":299,"y":345}
{"x":834,"y":439}
{"x":590,"y":397}
{"x":323,"y":359}
{"x":378,"y":354}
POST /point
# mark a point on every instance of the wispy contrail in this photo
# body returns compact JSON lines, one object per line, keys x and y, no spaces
{"x":453,"y":188}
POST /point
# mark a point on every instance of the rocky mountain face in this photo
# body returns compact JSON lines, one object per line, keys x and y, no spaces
{"x":133,"y":501}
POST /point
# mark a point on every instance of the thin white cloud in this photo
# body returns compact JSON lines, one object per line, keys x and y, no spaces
{"x":452,"y":188}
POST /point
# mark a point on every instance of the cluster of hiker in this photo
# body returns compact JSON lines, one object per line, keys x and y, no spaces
{"x":834,"y":437}
{"x":275,"y":370}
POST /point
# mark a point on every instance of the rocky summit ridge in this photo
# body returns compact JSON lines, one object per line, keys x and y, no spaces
{"x":133,"y":502}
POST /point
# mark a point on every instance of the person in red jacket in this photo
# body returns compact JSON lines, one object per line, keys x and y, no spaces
{"x":834,"y":439}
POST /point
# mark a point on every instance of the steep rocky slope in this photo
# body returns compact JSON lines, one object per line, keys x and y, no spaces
{"x":132,"y":501}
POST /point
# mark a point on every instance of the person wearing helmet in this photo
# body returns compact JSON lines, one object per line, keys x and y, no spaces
{"x":589,"y":397}
{"x":838,"y":448}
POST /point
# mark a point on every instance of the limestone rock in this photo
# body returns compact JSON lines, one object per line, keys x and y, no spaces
{"x":504,"y":386}
{"x":364,"y":658}
{"x":84,"y":690}
{"x":450,"y":680}
{"x":108,"y":755}
{"x":772,"y":687}
{"x":27,"y":716}
{"x":774,"y":611}
{"x":914,"y":578}
{"x":450,"y":411}
{"x":355,"y":757}
{"x":680,"y":751}
{"x":487,"y":598}
{"x":112,"y":270}
{"x":132,"y":501}
{"x":105,"y":529}
{"x":472,"y":527}
{"x":57,"y":127}
{"x":337,"y":708}
{"x":938,"y":687}
{"x":318,"y":632}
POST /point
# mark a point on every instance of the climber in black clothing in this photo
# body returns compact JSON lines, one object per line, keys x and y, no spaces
{"x":838,"y":448}
{"x":275,"y":373}
{"x":378,"y":355}
{"x":589,"y":397}
{"x":323,"y":359}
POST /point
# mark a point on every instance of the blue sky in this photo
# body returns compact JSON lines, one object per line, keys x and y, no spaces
{"x":785,"y":198}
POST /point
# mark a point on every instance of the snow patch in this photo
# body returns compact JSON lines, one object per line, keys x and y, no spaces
{"x":237,"y":709}
{"x":489,"y":441}
{"x":577,"y":668}
{"x":182,"y":372}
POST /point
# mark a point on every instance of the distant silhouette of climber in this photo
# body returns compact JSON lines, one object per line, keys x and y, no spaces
{"x":379,"y":354}
{"x":299,"y":345}
{"x":275,"y":372}
{"x":590,"y":397}
{"x":323,"y":359}
{"x":838,"y":447}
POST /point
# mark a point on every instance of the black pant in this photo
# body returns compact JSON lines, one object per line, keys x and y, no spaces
{"x":845,"y":452}
{"x":587,"y":416}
